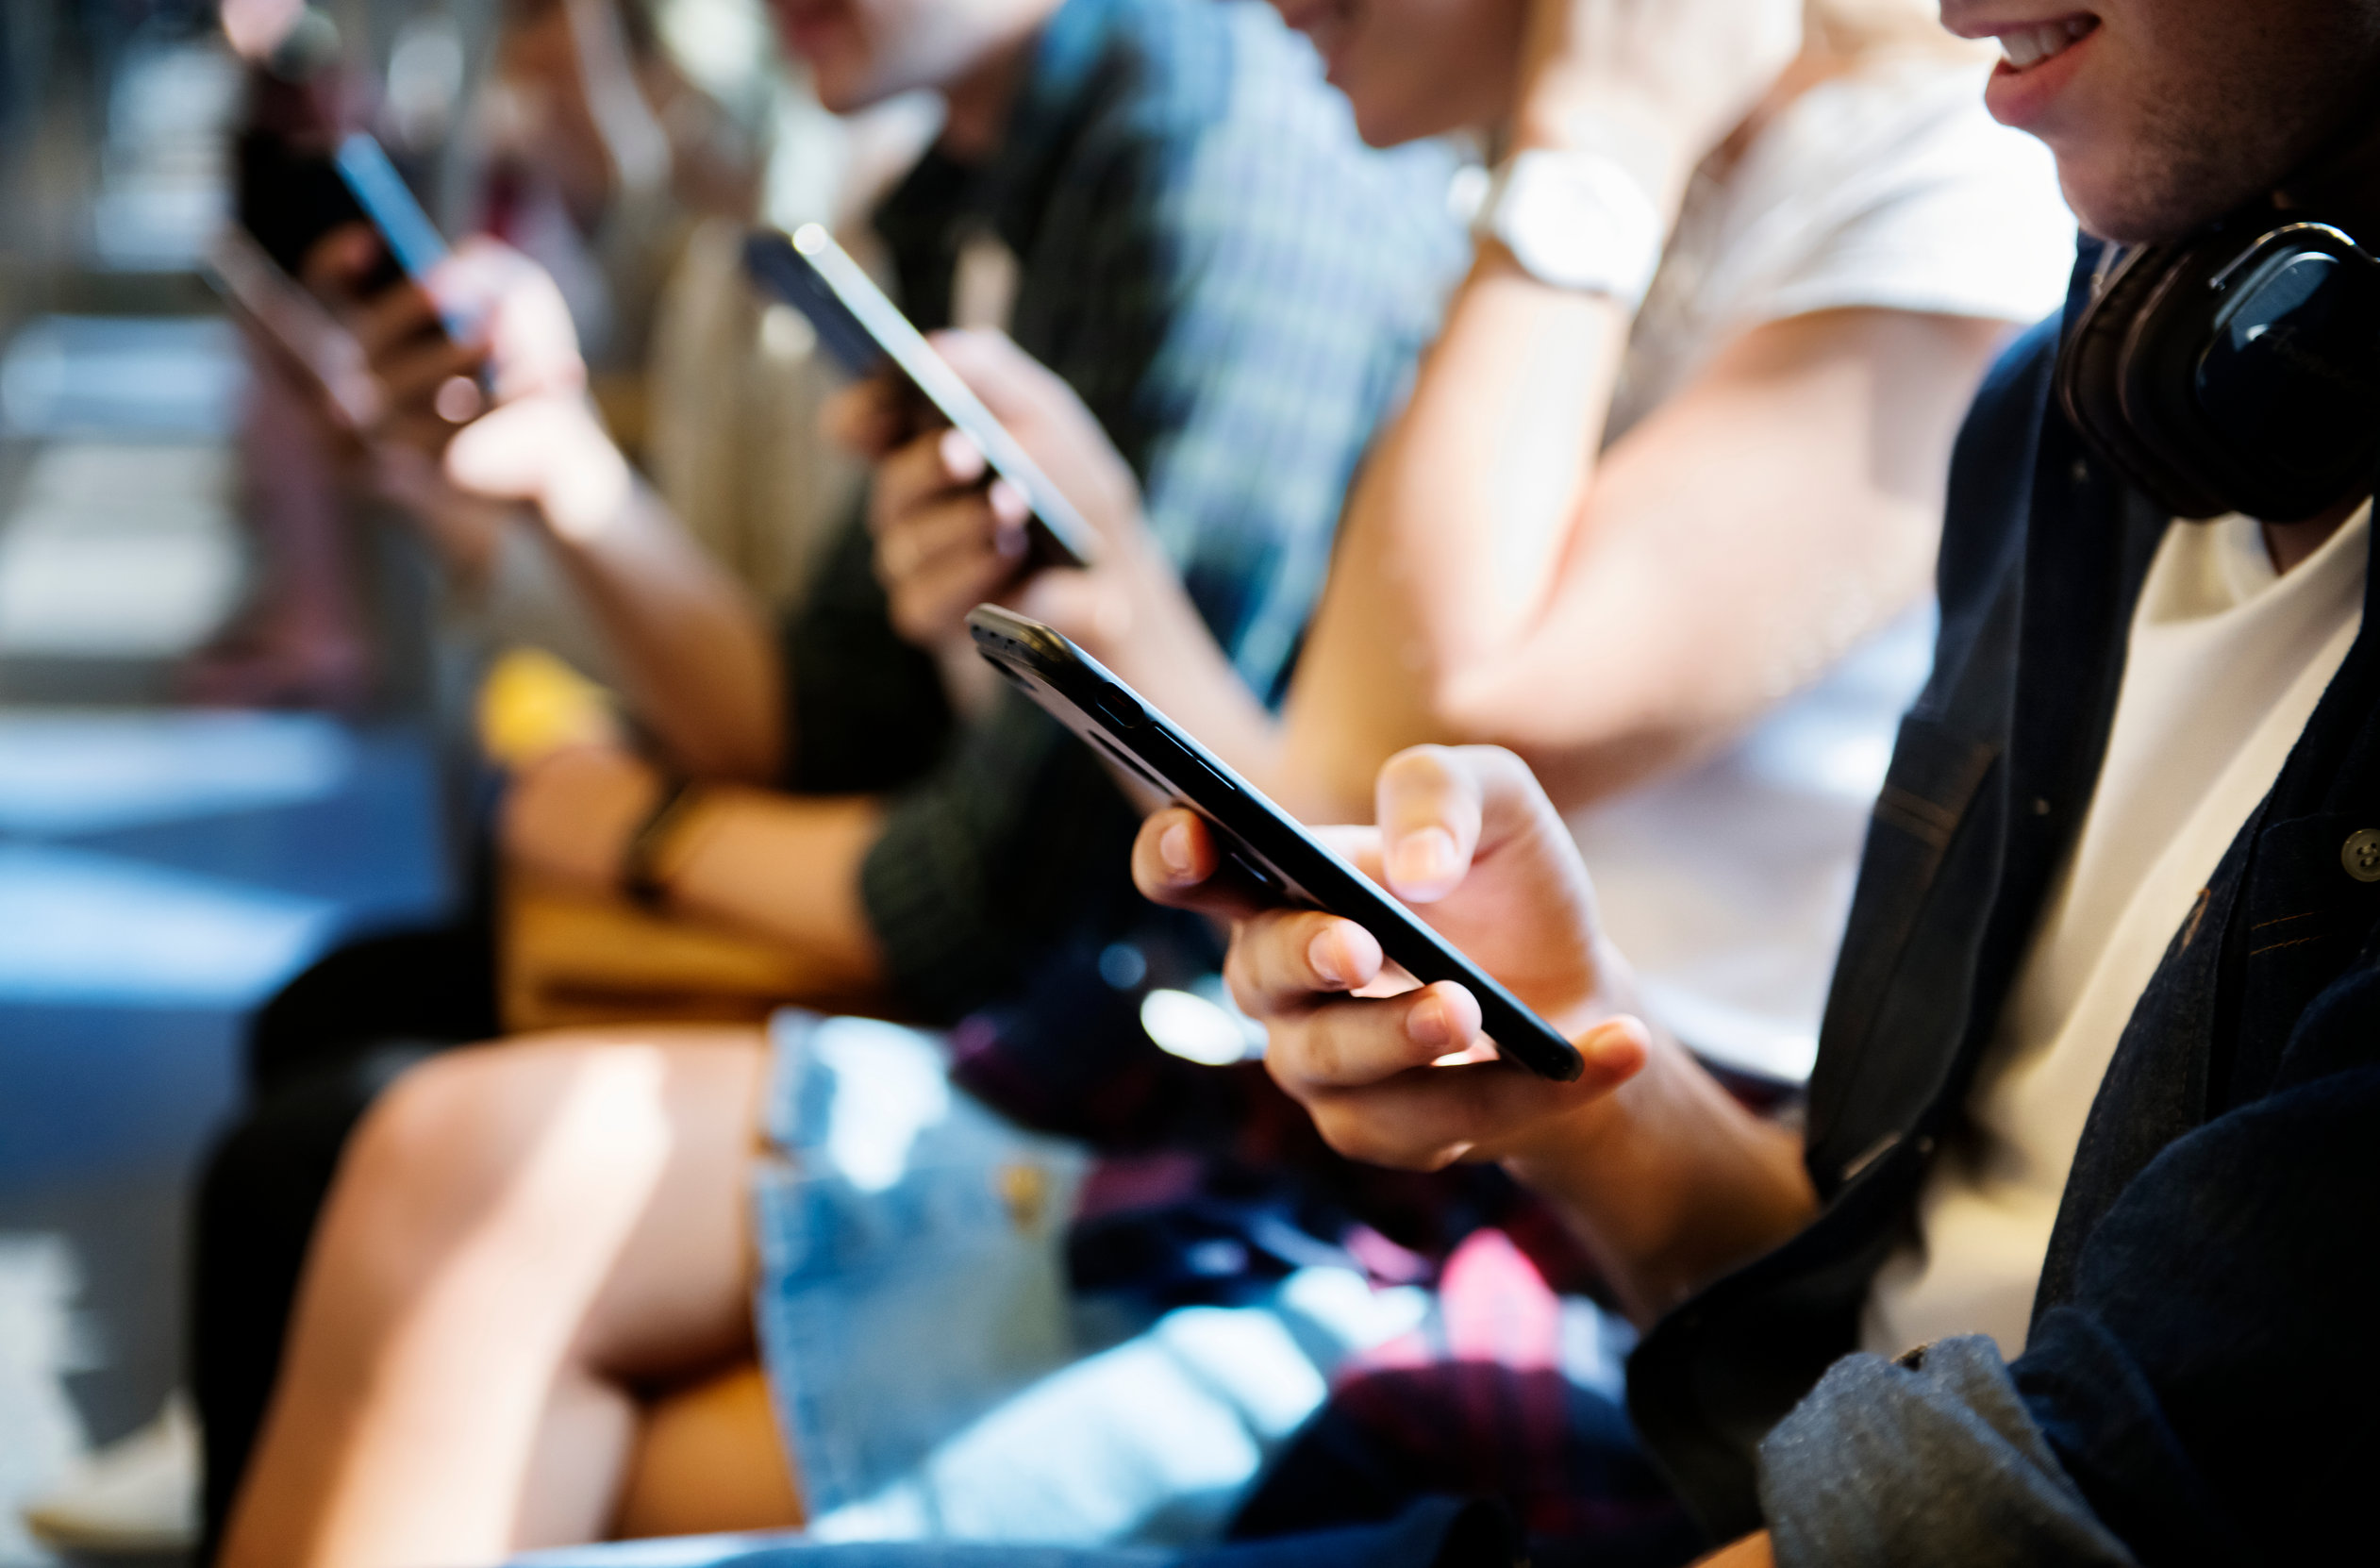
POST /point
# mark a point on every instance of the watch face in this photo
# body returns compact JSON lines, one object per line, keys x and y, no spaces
{"x":1578,"y":222}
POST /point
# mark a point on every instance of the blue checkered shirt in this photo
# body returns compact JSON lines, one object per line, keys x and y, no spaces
{"x":1237,"y":288}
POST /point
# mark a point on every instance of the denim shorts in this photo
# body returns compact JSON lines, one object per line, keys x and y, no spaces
{"x":933,"y":1377}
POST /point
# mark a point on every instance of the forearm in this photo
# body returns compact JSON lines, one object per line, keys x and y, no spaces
{"x":1694,"y":590}
{"x":701,"y":671}
{"x":1149,"y":634}
{"x":784,"y":867}
{"x":1670,"y":1182}
{"x":1452,"y":532}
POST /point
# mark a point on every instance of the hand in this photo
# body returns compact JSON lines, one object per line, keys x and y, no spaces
{"x":1397,"y":1075}
{"x":1657,"y":83}
{"x":432,"y":426}
{"x":946,"y":541}
{"x":569,"y":815}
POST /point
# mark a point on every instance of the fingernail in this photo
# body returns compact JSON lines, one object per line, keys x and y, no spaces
{"x":1328,"y":961}
{"x":1008,"y":503}
{"x":1173,"y":848}
{"x":1427,"y":1024}
{"x":1426,"y":858}
{"x":1623,"y":1036}
{"x":960,"y":455}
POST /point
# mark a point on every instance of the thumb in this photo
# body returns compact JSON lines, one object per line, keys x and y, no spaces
{"x":1442,"y":808}
{"x":1084,"y":606}
{"x":1009,"y":381}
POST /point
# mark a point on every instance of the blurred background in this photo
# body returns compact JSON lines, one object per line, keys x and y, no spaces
{"x":163,"y":866}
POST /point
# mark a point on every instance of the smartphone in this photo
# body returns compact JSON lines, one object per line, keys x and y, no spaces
{"x":288,"y":195}
{"x":269,"y":299}
{"x":1263,"y":842}
{"x":289,"y":199}
{"x":869,"y":336}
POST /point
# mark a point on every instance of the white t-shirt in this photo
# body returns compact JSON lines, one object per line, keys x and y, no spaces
{"x":1891,"y":187}
{"x":2227,"y":662}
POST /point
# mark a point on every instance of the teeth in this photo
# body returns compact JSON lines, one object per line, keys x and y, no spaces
{"x":2030,"y":46}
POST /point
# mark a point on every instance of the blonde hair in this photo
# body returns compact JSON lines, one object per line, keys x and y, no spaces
{"x":1859,"y":27}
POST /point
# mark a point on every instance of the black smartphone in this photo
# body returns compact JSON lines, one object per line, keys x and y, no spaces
{"x":288,"y":195}
{"x":1263,"y":842}
{"x":867,"y":336}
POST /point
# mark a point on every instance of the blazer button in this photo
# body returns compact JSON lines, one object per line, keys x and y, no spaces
{"x":2360,"y":855}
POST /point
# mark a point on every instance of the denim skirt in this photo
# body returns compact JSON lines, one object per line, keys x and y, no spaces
{"x":934,"y":1378}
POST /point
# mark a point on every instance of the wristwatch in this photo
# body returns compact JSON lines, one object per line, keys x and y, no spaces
{"x":1574,"y":219}
{"x":641,"y":875}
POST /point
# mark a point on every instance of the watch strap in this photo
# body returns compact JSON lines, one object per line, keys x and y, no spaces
{"x":640,"y":865}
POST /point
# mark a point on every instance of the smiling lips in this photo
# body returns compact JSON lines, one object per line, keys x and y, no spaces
{"x":2023,"y":48}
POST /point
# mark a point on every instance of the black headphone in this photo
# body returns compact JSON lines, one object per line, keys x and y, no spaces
{"x":2236,"y":371}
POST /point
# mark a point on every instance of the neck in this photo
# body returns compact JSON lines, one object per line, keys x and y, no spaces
{"x":2341,"y":184}
{"x":977,"y":104}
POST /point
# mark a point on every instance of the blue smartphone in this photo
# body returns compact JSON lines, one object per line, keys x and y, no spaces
{"x":413,"y":244}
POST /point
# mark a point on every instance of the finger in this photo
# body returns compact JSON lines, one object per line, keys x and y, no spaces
{"x":1285,"y":961}
{"x":1428,"y":804}
{"x":1091,"y":607}
{"x":1176,"y":863}
{"x":334,"y":268}
{"x":397,"y":315}
{"x":1011,"y":382}
{"x":865,"y":419}
{"x":412,"y":381}
{"x":931,"y":603}
{"x":930,"y":536}
{"x":915,"y":473}
{"x":1010,"y":510}
{"x":1342,"y":1042}
{"x":1440,"y":809}
{"x":963,"y":459}
{"x":1174,"y":856}
{"x":1428,"y":1116}
{"x":1359,"y":845}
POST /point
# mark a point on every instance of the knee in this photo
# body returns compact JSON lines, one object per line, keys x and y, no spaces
{"x":439,"y":1149}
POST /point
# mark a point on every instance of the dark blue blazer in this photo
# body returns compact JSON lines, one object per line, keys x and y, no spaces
{"x":2200,"y":1358}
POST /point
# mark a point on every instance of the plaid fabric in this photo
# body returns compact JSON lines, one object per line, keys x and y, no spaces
{"x":1237,"y":290}
{"x":1214,"y":1186}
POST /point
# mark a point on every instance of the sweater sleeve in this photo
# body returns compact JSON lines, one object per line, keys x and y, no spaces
{"x":1223,"y":296}
{"x":2202,"y":1394}
{"x":1931,"y":1458}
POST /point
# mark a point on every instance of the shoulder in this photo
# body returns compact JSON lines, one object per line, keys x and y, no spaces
{"x":1212,"y":114}
{"x":1893,"y":188}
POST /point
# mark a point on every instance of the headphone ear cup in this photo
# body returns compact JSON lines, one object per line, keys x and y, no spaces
{"x":2098,"y":365}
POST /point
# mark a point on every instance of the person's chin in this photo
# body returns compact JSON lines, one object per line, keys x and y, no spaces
{"x":2121,"y":199}
{"x":1388,"y":118}
{"x":843,"y":85}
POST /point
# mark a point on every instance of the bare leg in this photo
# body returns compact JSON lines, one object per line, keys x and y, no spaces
{"x":522,"y":1237}
{"x":711,"y":1459}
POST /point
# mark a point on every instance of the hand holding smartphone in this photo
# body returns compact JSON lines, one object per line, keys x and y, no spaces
{"x":1265,"y":844}
{"x":868,"y":337}
{"x":290,"y":200}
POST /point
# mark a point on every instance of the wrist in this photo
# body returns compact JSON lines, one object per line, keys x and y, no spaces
{"x":648,"y":857}
{"x":587,"y":485}
{"x":1560,"y":115}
